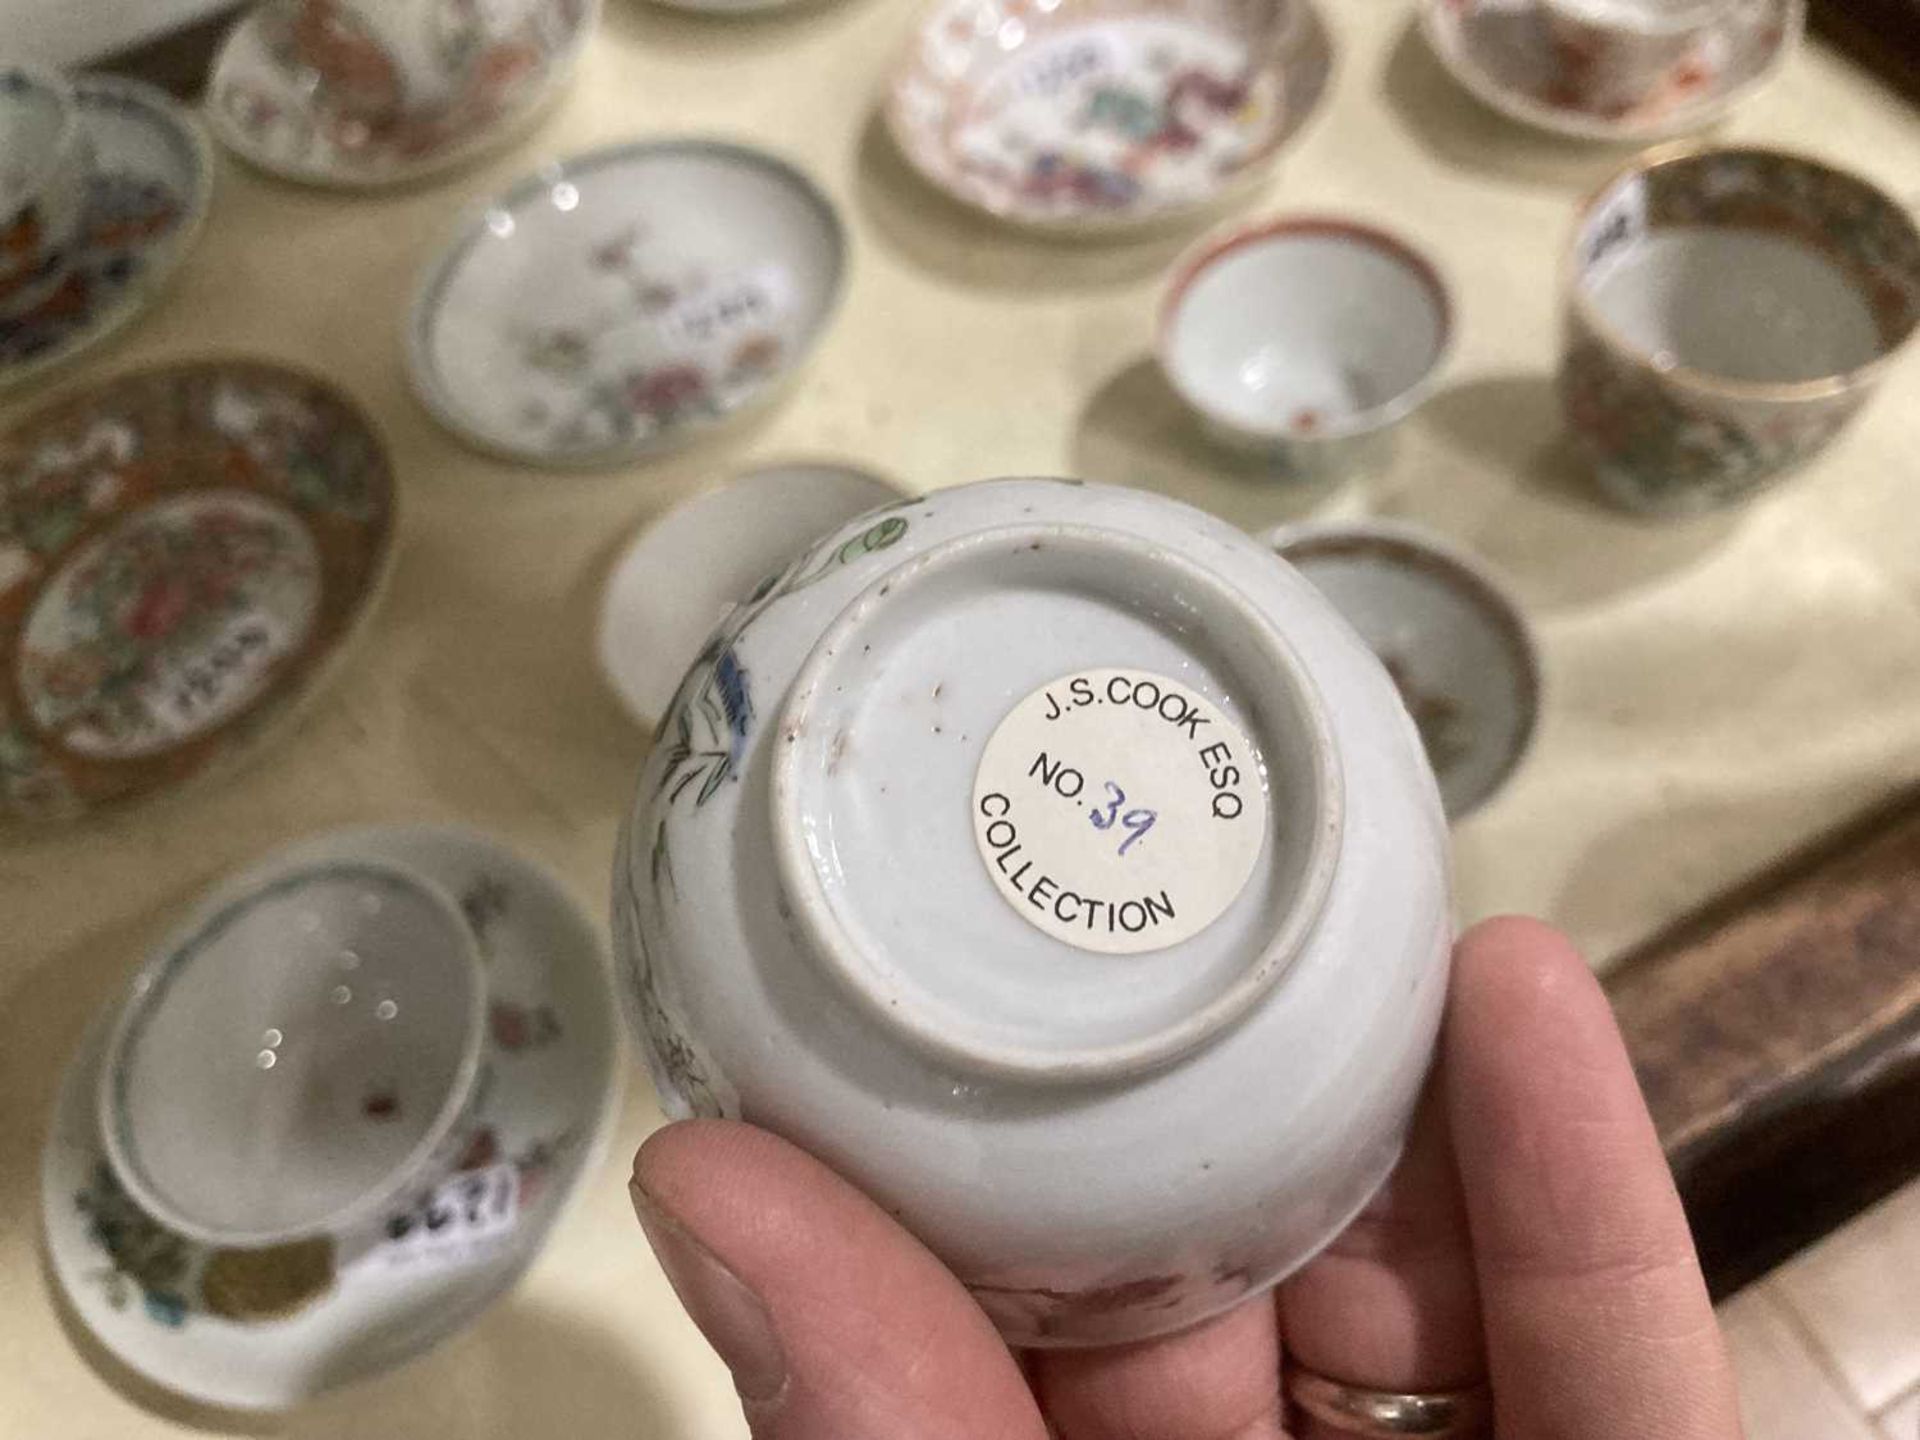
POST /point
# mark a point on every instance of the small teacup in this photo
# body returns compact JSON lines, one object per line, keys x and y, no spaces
{"x":1727,"y":311}
{"x":1303,"y":340}
{"x":46,"y":160}
{"x":1613,"y":54}
{"x":298,"y":1058}
{"x":377,"y":59}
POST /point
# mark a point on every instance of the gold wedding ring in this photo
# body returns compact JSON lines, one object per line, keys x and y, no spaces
{"x":1435,"y":1414}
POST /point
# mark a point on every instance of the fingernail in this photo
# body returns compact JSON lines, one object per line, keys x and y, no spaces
{"x":733,"y":1318}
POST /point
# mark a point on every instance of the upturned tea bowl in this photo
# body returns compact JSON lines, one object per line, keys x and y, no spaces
{"x":1054,"y":862}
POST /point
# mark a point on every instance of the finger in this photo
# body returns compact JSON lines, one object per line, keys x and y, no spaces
{"x":1392,"y":1304}
{"x":1217,"y":1381}
{"x":1597,"y":1321}
{"x":836,"y":1324}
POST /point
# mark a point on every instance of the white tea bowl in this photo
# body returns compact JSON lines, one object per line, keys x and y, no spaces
{"x":46,"y":160}
{"x":297,"y":1056}
{"x":1055,"y":863}
{"x":1299,"y":338}
{"x":372,"y":60}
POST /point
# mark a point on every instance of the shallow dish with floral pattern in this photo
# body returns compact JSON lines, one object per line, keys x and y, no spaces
{"x":624,"y":301}
{"x":184,"y":552}
{"x":146,"y":198}
{"x":1502,"y":52}
{"x":266,"y":1328}
{"x":506,"y":62}
{"x":1099,"y":114}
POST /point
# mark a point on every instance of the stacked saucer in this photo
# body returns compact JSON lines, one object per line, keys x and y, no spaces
{"x":339,"y":1111}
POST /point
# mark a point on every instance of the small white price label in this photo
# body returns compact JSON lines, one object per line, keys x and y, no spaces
{"x":1072,"y":60}
{"x":458,"y":1220}
{"x":1613,"y":230}
{"x":193,"y":691}
{"x":734,"y":305}
{"x":1118,"y":810}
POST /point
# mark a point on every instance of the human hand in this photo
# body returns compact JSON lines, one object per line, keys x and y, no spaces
{"x":1530,"y":1240}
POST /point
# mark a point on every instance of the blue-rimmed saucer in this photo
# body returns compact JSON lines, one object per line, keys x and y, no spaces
{"x":263,"y":1330}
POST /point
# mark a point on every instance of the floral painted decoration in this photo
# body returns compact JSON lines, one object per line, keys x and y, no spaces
{"x":1104,"y":110}
{"x":709,"y":720}
{"x":650,"y":325}
{"x":360,"y":127}
{"x":1503,"y":51}
{"x":176,"y":1280}
{"x":515,"y":1027}
{"x":484,"y":904}
{"x":179,"y":549}
{"x":1443,"y":721}
{"x":174,"y":598}
{"x":1674,"y":440}
{"x":144,"y":1258}
{"x":1840,"y":217}
{"x":595,"y":394}
{"x":137,"y":213}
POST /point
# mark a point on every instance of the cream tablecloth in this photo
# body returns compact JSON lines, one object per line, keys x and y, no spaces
{"x":1717,"y":690}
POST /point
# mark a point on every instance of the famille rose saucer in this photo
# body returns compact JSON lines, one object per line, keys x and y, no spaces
{"x":184,"y":553}
{"x":1099,"y":114}
{"x":146,"y":201}
{"x":1501,"y":52}
{"x":1459,"y":650}
{"x":622,"y":302}
{"x":685,"y":571}
{"x":267,"y":1329}
{"x":270,"y":107}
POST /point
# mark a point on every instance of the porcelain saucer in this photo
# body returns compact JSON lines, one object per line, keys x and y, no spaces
{"x":730,"y":7}
{"x":1499,"y":50}
{"x":622,"y":302}
{"x":1459,"y":649}
{"x":146,"y":202}
{"x":1093,"y":115}
{"x":185,"y":553}
{"x":263,"y":105}
{"x":686,"y":570}
{"x":266,"y":1329}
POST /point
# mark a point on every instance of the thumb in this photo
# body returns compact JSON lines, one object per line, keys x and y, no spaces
{"x":836,"y":1323}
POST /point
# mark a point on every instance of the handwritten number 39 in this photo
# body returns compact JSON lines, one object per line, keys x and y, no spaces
{"x":1135,"y":822}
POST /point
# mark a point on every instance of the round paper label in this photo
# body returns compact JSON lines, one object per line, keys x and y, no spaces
{"x":1119,"y":811}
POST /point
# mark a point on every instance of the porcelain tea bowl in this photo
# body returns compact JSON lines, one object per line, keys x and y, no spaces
{"x":999,"y":848}
{"x":1503,"y":52}
{"x":1615,"y":52}
{"x":297,"y":1055}
{"x":1304,"y":340}
{"x":374,"y":59}
{"x":1727,"y":311}
{"x":362,"y":94}
{"x":45,"y":162}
